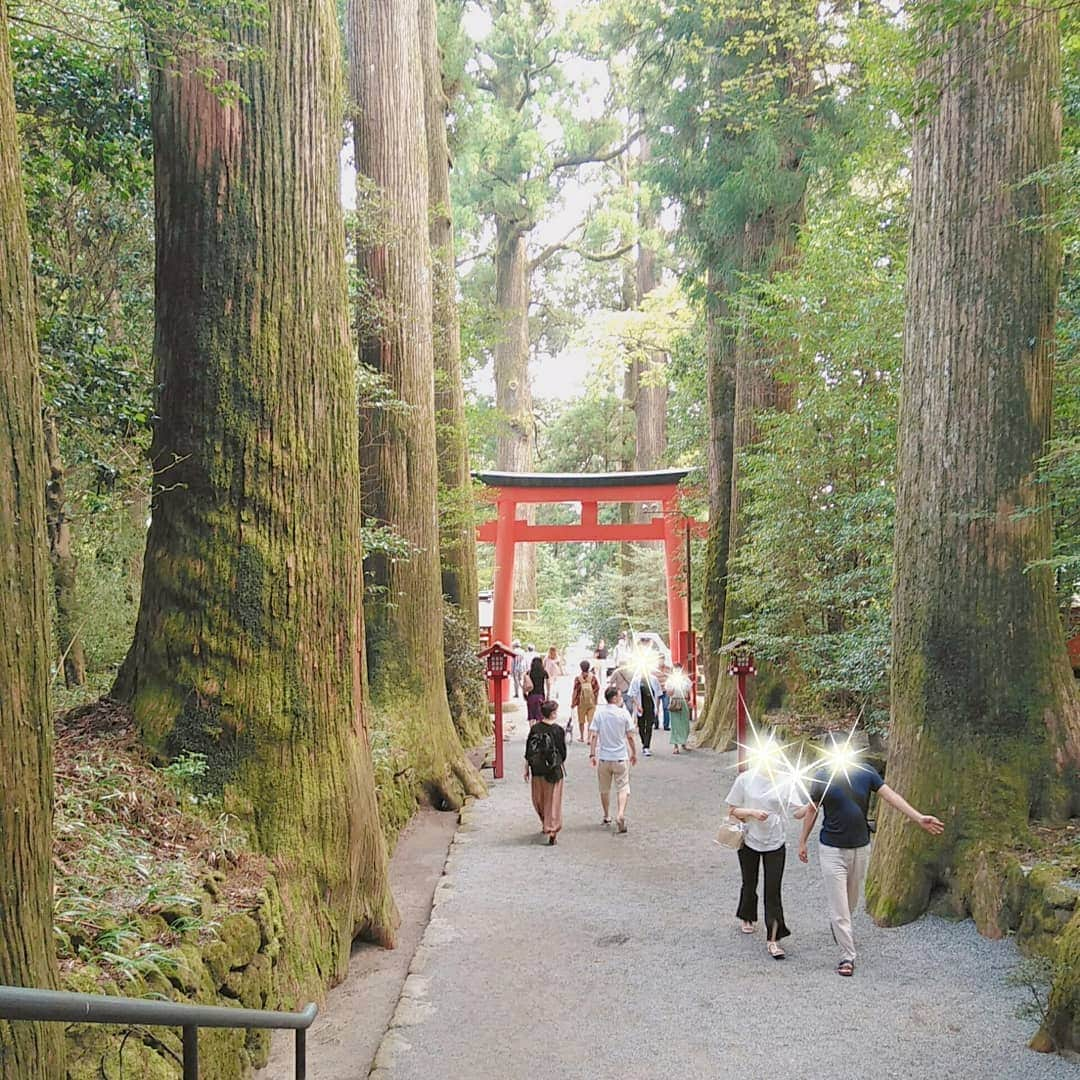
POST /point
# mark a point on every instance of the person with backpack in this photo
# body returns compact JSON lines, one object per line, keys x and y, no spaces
{"x":678,"y":708}
{"x":584,"y":698}
{"x":534,"y":683}
{"x":545,"y":756}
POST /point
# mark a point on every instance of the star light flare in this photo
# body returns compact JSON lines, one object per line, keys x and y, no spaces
{"x":792,"y":779}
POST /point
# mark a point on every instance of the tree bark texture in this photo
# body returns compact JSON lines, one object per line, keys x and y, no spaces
{"x":27,"y":956}
{"x":457,"y":535}
{"x":650,"y":373}
{"x":720,"y":389}
{"x":767,"y":246}
{"x":516,"y":447}
{"x":400,"y":473}
{"x":249,"y":641}
{"x":62,"y":559}
{"x":985,"y":720}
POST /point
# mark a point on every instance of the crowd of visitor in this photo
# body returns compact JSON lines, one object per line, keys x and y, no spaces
{"x":640,"y":694}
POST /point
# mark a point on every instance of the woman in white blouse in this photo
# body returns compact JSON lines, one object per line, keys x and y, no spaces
{"x":762,"y":802}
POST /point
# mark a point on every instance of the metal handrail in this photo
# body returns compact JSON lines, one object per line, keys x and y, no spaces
{"x":23,"y":1003}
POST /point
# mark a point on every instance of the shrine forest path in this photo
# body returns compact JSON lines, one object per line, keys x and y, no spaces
{"x":618,"y":958}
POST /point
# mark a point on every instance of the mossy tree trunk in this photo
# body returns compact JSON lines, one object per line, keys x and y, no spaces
{"x":398,"y":446}
{"x":516,"y":446}
{"x":985,"y":720}
{"x":767,"y":246}
{"x":249,"y":641}
{"x":457,"y":532}
{"x":27,"y":957}
{"x":62,"y":558}
{"x":457,"y":527}
{"x":720,"y":391}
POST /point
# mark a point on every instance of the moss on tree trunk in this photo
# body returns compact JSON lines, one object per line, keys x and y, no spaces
{"x":249,"y":641}
{"x":740,"y":375}
{"x":457,"y":533}
{"x":398,"y":446}
{"x":985,"y":721}
{"x":27,"y":1051}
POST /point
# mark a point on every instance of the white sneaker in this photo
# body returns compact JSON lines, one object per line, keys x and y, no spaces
{"x":647,"y":752}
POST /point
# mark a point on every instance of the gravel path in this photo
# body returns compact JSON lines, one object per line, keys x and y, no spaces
{"x":619,"y":957}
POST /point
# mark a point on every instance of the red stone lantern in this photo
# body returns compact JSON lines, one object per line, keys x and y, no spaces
{"x":741,"y":665}
{"x":498,"y":661}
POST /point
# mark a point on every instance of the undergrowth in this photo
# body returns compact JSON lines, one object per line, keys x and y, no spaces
{"x":135,"y":850}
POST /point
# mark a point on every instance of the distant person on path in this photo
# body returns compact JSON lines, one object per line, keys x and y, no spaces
{"x":545,"y":756}
{"x":844,"y":843}
{"x":622,"y":651}
{"x":600,"y":653}
{"x":535,"y":686}
{"x":662,"y":676}
{"x":518,"y":666}
{"x":612,"y":753}
{"x":762,"y":805}
{"x":553,"y":667}
{"x":643,"y":699}
{"x":678,"y":705}
{"x":584,"y":698}
{"x":621,"y":678}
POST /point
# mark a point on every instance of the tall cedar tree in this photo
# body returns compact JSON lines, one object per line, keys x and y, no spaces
{"x":457,"y":535}
{"x":648,"y":374}
{"x":985,"y":719}
{"x":249,"y":641}
{"x":398,"y":451}
{"x":27,"y":957}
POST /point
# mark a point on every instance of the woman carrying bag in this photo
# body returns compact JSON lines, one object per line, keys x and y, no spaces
{"x":762,"y":805}
{"x":535,"y":687}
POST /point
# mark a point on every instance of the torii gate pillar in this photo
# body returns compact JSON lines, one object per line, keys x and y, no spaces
{"x":502,"y":619}
{"x":678,"y":617}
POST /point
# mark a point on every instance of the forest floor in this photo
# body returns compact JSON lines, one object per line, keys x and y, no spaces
{"x":619,"y":957}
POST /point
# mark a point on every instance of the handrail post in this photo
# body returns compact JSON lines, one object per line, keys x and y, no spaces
{"x":301,"y":1054}
{"x":191,"y":1052}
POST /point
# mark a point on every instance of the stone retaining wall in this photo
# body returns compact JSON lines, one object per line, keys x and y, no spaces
{"x":231,"y":964}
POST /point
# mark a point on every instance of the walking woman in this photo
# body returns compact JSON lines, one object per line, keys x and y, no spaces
{"x":678,"y":693}
{"x":762,"y":804}
{"x":535,"y":685}
{"x":545,"y":755}
{"x":643,"y":699}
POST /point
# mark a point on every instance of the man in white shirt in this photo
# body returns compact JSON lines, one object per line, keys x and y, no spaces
{"x":612,"y":752}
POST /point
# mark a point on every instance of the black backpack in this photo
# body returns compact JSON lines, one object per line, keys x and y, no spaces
{"x":541,"y":753}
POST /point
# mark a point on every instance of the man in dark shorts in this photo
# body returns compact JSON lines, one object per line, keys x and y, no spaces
{"x":844,"y":844}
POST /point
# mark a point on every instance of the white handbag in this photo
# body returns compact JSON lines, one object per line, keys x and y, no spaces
{"x":730,"y":834}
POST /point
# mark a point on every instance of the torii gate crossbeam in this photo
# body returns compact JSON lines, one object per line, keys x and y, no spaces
{"x":589,"y":489}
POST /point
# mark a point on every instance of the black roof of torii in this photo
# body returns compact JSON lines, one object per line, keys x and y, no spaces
{"x":657,"y":477}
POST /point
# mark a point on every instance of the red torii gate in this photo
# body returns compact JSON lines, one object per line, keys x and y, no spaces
{"x":588,"y":489}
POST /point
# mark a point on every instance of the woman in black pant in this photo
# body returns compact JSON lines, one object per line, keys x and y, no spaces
{"x":755,"y":800}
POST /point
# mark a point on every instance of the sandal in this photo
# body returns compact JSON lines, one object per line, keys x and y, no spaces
{"x":845,"y":967}
{"x":747,"y":927}
{"x":775,"y":951}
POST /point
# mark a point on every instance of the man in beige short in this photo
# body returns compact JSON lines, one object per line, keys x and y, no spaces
{"x":612,"y":752}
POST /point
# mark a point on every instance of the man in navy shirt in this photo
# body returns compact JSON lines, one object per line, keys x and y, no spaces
{"x":844,"y":851}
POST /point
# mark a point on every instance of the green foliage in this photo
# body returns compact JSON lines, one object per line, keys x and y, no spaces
{"x":466,"y":685}
{"x":813,"y":575}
